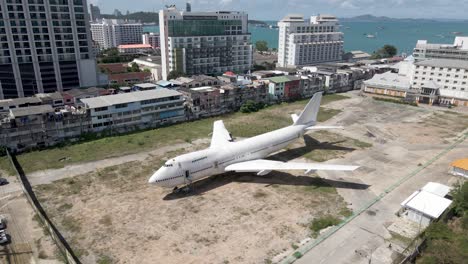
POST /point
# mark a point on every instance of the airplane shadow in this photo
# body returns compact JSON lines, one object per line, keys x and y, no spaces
{"x":274,"y":178}
{"x":311,"y":144}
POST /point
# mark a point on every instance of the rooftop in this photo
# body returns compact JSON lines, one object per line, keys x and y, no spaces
{"x":461,"y":164}
{"x":283,"y":79}
{"x":20,"y":101}
{"x":444,"y":63}
{"x":427,"y":203}
{"x":135,"y":46}
{"x":146,"y":85}
{"x":390,"y":79}
{"x":437,"y":189}
{"x":31,"y":110}
{"x":78,"y":91}
{"x":203,"y":89}
{"x":109,"y":100}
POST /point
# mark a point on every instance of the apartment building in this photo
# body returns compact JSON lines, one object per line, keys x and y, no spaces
{"x":94,"y":13}
{"x":45,"y":46}
{"x":41,"y":126}
{"x":204,"y":42}
{"x":136,"y":110}
{"x":442,"y":81}
{"x":285,"y":87}
{"x":306,"y":43}
{"x":457,"y":51}
{"x":152,"y":39}
{"x":110,"y":33}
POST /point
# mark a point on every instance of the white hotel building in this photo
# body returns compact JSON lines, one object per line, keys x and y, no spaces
{"x":110,"y":33}
{"x":306,"y":43}
{"x":442,"y":80}
{"x":456,"y":51}
{"x":204,"y":42}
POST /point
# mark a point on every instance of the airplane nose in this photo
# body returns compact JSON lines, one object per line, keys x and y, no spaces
{"x":153,"y":178}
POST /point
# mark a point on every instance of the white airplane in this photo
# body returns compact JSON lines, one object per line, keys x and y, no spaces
{"x":247,"y":155}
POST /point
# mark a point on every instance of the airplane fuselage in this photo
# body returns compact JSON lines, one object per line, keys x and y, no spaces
{"x":194,"y":166}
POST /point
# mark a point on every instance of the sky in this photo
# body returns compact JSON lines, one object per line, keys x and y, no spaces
{"x":276,"y":9}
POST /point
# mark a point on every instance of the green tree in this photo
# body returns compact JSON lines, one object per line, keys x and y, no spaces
{"x":134,"y":68}
{"x":251,"y":106}
{"x":261,"y":46}
{"x":175,"y":75}
{"x":389,"y":50}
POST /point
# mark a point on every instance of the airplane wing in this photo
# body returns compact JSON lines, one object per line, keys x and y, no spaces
{"x":265,"y":166}
{"x":220,"y":134}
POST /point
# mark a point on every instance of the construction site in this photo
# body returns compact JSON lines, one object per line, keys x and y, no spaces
{"x":109,"y":214}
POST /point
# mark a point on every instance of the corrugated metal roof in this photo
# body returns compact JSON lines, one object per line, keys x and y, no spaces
{"x":461,"y":164}
{"x":427,"y":203}
{"x":283,"y":79}
{"x":437,"y":189}
{"x":134,"y":46}
{"x":109,"y":100}
{"x":457,"y":64}
{"x":31,"y":110}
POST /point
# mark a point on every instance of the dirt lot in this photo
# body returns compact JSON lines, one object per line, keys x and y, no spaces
{"x":112,"y":215}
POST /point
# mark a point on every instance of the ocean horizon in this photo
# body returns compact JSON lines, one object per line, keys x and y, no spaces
{"x":402,"y":35}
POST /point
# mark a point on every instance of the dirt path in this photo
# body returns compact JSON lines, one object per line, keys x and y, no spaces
{"x":48,"y":176}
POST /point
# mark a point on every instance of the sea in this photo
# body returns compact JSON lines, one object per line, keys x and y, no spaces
{"x":402,"y":35}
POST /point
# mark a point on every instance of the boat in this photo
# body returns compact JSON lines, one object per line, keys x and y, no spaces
{"x":457,"y":33}
{"x":370,"y":36}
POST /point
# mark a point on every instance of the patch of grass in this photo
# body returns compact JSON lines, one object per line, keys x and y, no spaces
{"x":103,"y":259}
{"x":64,"y":207}
{"x":297,"y":254}
{"x":260,"y":194}
{"x":71,"y":224}
{"x":361,"y":144}
{"x":346,"y":212}
{"x":323,"y":222}
{"x":5,"y":165}
{"x":240,"y":125}
{"x":396,"y":101}
{"x":327,"y":145}
{"x":106,"y":220}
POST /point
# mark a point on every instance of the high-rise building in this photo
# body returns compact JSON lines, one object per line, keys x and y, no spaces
{"x":457,"y":51}
{"x":152,"y":39}
{"x":95,"y":12}
{"x":204,"y":42}
{"x":306,"y":43}
{"x":110,"y":33}
{"x":45,"y":46}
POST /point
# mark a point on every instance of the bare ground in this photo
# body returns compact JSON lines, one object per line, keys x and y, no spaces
{"x":113,"y":214}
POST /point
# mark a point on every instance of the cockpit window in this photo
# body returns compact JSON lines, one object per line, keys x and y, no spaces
{"x":168,"y":165}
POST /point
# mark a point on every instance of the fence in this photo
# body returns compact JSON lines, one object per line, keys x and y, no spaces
{"x":59,"y":240}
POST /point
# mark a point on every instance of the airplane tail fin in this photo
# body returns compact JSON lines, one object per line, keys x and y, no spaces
{"x":309,"y":114}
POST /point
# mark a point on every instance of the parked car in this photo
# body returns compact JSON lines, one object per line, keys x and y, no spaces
{"x":3,"y":181}
{"x":2,"y":223}
{"x":4,"y":238}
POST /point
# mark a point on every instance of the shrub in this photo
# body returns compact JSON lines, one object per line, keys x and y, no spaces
{"x":297,"y":254}
{"x":323,"y":222}
{"x":251,"y":106}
